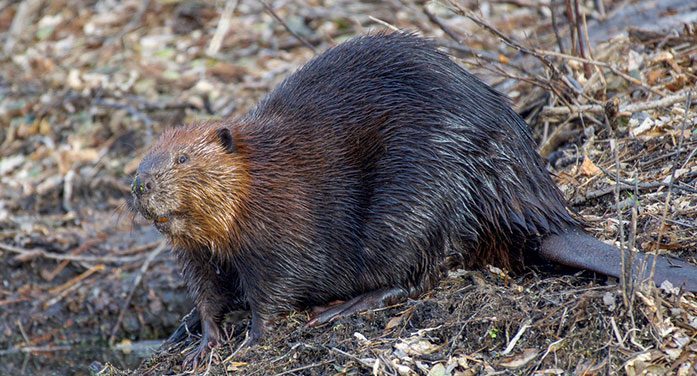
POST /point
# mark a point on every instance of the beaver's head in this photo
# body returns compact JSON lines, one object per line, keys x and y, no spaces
{"x":190,"y":185}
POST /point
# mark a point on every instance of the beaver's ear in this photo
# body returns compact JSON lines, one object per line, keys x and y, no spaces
{"x":226,"y":140}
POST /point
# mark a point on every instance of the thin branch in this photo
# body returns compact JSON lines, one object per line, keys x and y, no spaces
{"x":555,"y":27}
{"x":71,"y":286}
{"x":625,"y":284}
{"x":27,"y":12}
{"x":384,"y":23}
{"x":598,"y":109}
{"x":38,"y":252}
{"x":477,"y":54}
{"x":313,"y":365}
{"x":136,"y":282}
{"x":676,"y":159}
{"x":570,"y":18}
{"x":603,"y":64}
{"x":506,"y":39}
{"x":35,"y":349}
{"x":432,"y":17}
{"x":627,"y":187}
{"x":581,"y":40}
{"x":222,"y":28}
{"x":285,"y":25}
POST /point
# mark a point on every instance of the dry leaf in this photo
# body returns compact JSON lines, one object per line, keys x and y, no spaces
{"x":437,"y":370}
{"x":235,"y":366}
{"x":588,"y":168}
{"x":416,"y":346}
{"x":642,"y":364}
{"x":550,"y":371}
{"x":395,"y":321}
{"x":637,"y":129}
{"x":519,"y":360}
{"x":653,"y":76}
{"x":677,"y":83}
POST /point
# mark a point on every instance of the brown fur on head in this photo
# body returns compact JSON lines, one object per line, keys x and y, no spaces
{"x":191,"y":184}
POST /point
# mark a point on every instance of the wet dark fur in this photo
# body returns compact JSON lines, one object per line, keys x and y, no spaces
{"x":374,"y":161}
{"x":368,"y":168}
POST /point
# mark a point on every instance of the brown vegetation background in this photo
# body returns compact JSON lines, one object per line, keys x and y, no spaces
{"x":85,"y":86}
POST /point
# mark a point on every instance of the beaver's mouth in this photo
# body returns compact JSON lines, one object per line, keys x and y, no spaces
{"x":146,"y":213}
{"x":161,"y":219}
{"x":162,"y":222}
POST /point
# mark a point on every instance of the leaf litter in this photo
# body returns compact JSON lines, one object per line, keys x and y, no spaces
{"x":86,"y":86}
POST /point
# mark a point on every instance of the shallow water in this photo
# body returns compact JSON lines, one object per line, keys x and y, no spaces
{"x":72,"y":361}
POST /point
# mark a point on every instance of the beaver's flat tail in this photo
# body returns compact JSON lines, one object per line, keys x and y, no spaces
{"x":578,"y":249}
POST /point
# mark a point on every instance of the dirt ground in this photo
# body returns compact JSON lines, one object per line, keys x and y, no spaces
{"x":85,"y":87}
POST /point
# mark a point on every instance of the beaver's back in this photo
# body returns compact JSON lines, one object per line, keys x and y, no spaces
{"x":394,"y":142}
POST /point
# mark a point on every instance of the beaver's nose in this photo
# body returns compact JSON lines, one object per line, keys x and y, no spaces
{"x":141,"y":184}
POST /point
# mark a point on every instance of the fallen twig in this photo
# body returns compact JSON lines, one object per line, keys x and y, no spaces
{"x":27,"y":12}
{"x":22,"y":331}
{"x":555,"y":74}
{"x":543,"y":55}
{"x":477,"y":54}
{"x":313,"y":365}
{"x":555,"y":28}
{"x":384,"y":23}
{"x":506,"y":39}
{"x":222,"y":28}
{"x":70,"y":286}
{"x":139,"y":248}
{"x":432,"y":17}
{"x":581,"y":40}
{"x":136,"y":282}
{"x":33,"y":349}
{"x":38,"y":252}
{"x":515,"y":338}
{"x":13,"y":301}
{"x":626,"y":110}
{"x":49,"y":276}
{"x":73,"y":281}
{"x":626,"y":187}
{"x":604,"y":65}
{"x":359,"y":360}
{"x":671,"y":181}
{"x":285,"y":25}
{"x":648,"y":185}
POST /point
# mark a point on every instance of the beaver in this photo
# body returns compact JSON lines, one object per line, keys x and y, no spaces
{"x":358,"y":179}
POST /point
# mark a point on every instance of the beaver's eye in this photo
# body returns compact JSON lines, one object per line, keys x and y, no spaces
{"x":182,"y":159}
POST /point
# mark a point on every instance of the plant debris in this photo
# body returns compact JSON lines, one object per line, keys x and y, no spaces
{"x":86,"y":86}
